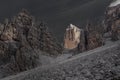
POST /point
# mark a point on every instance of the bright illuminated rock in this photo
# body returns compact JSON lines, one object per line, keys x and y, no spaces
{"x":115,"y":3}
{"x":72,"y":37}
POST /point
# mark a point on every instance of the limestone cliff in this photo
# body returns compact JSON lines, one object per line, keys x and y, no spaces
{"x":82,"y":40}
{"x":72,"y":37}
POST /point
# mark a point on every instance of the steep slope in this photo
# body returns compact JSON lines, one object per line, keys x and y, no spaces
{"x":99,"y":64}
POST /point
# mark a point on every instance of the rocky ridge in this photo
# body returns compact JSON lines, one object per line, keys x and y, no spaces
{"x":21,"y":39}
{"x":112,"y":22}
{"x":91,"y":37}
{"x":72,"y":37}
{"x":82,"y":39}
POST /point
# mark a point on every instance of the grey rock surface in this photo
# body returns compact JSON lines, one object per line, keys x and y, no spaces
{"x":20,"y":40}
{"x":99,"y":64}
{"x":112,"y":21}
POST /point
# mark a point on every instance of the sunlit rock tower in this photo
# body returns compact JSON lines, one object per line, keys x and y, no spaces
{"x":72,"y":37}
{"x":81,"y":40}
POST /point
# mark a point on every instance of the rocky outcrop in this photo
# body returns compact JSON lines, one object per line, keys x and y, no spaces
{"x":82,"y":40}
{"x":21,"y":38}
{"x":112,"y":21}
{"x":72,"y":37}
{"x":94,"y":38}
{"x":82,"y":45}
{"x":47,"y":42}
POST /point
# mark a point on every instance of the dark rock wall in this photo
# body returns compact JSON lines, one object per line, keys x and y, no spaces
{"x":21,"y":37}
{"x":112,"y":22}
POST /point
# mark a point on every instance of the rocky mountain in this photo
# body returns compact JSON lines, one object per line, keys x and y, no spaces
{"x":102,"y":63}
{"x":24,"y":41}
{"x":112,"y":21}
{"x":21,"y":41}
{"x":58,"y":14}
{"x":72,"y":37}
{"x":82,"y":39}
{"x":93,"y":35}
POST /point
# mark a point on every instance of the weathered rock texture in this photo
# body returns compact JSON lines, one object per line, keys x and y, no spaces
{"x":100,"y":64}
{"x":82,"y":40}
{"x":94,"y":38}
{"x":21,"y":38}
{"x":72,"y":37}
{"x":112,"y":22}
{"x":82,"y":45}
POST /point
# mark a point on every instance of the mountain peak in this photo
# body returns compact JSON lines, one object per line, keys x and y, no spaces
{"x":114,"y":3}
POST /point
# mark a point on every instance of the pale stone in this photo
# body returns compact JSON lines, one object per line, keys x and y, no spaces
{"x":72,"y":37}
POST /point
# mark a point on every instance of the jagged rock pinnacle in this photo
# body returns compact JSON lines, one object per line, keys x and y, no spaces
{"x":21,"y":38}
{"x":81,"y":40}
{"x":72,"y":37}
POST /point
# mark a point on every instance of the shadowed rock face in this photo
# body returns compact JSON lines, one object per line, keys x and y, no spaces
{"x":94,"y":38}
{"x":20,"y":40}
{"x":58,"y":14}
{"x":100,"y":64}
{"x":82,"y":40}
{"x":112,"y":22}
